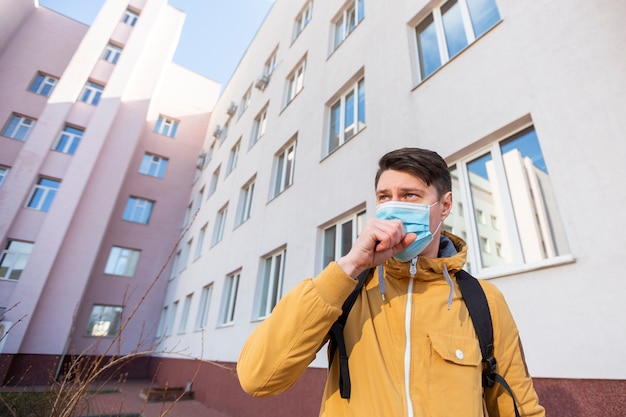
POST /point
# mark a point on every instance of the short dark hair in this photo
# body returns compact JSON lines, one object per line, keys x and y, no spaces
{"x":426,"y":165}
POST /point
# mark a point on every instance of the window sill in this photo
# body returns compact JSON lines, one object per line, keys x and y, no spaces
{"x":508,"y":270}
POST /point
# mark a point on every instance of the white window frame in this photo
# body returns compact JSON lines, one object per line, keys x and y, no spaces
{"x":270,"y":287}
{"x":214,"y":181}
{"x":295,"y":81}
{"x":122,"y":261}
{"x":437,"y":20}
{"x":270,"y":64}
{"x":357,"y":220}
{"x":153,"y":165}
{"x":346,"y":132}
{"x":111,"y":53}
{"x":200,"y":242}
{"x":229,"y":298}
{"x":245,"y":201}
{"x":166,"y":126}
{"x":69,"y":139}
{"x":347,"y":20}
{"x":43,"y":84}
{"x":220,"y":225}
{"x":103,"y":328}
{"x":130,"y":17}
{"x":284,"y":168}
{"x":162,"y":322}
{"x":233,"y":157}
{"x":508,"y":224}
{"x":92,"y":92}
{"x":14,"y":259}
{"x":203,"y":308}
{"x":42,"y":196}
{"x":140,"y":210}
{"x":171,"y":319}
{"x":18,"y":127}
{"x":184,"y":317}
{"x":185,"y":254}
{"x":302,"y":19}
{"x":259,"y":127}
{"x":245,"y":101}
{"x":175,"y":263}
{"x":4,"y":172}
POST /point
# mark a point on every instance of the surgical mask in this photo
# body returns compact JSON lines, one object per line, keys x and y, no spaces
{"x":416,"y":219}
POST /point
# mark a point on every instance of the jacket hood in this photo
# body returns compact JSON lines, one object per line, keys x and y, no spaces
{"x":452,"y":256}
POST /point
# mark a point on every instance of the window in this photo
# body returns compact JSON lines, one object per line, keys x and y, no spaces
{"x":245,"y":202}
{"x":348,"y":20}
{"x":295,"y":81}
{"x":203,"y":309}
{"x":245,"y":101}
{"x":44,"y":192}
{"x":284,"y":168}
{"x":198,"y":202}
{"x":69,"y":139}
{"x":122,"y":262}
{"x":232,"y":158}
{"x":14,"y":259}
{"x":162,"y":323}
{"x":229,"y":299}
{"x":18,"y":127}
{"x":339,"y":237}
{"x":220,"y":224}
{"x":184,"y":317}
{"x":171,"y":317}
{"x":91,"y":93}
{"x":130,"y":17}
{"x":175,"y":263}
{"x":153,"y":165}
{"x":508,"y":181}
{"x":138,"y":210}
{"x":270,"y":64}
{"x":213,"y":183}
{"x":166,"y":126}
{"x":188,"y":215}
{"x":271,"y":287}
{"x":43,"y":84}
{"x":200,"y":242}
{"x":184,"y":257}
{"x":347,"y":116}
{"x":104,"y":321}
{"x":112,"y":53}
{"x":258,"y":129}
{"x":4,"y":171}
{"x":303,"y":19}
{"x":449,"y":29}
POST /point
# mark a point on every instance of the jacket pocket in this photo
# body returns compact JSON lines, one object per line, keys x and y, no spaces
{"x":455,"y":376}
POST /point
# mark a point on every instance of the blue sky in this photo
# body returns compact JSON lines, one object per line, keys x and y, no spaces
{"x":215,"y":35}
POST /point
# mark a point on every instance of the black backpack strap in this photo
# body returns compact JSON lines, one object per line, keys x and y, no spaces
{"x":478,"y":308}
{"x":336,"y":337}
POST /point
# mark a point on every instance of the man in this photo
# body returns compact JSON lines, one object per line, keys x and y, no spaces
{"x":412,"y":347}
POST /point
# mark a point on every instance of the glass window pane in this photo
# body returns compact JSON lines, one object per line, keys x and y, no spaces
{"x":484,"y":14}
{"x":541,"y":232}
{"x":487,"y":199}
{"x":361,"y":104}
{"x":427,"y":47}
{"x":346,"y":237}
{"x":335,"y":120}
{"x":453,"y":27}
{"x":349,"y":116}
{"x":330,"y":235}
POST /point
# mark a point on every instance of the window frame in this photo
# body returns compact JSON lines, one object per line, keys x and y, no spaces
{"x":220,"y":225}
{"x":152,"y":168}
{"x":200,"y":241}
{"x":111,"y":53}
{"x":43,"y":84}
{"x":507,"y":223}
{"x":233,"y":157}
{"x":341,"y":24}
{"x":130,"y":15}
{"x":246,"y":197}
{"x":184,"y":317}
{"x":119,"y":314}
{"x":4,"y":172}
{"x":166,"y":126}
{"x":91,"y":93}
{"x":69,"y":139}
{"x":229,"y":298}
{"x":21,"y":127}
{"x":295,"y":81}
{"x":42,"y":195}
{"x":302,"y":19}
{"x":140,"y":212}
{"x":129,"y":261}
{"x":357,"y":219}
{"x":15,"y":257}
{"x":204,"y":306}
{"x":284,"y":171}
{"x":271,"y":283}
{"x":337,"y":128}
{"x":259,"y":127}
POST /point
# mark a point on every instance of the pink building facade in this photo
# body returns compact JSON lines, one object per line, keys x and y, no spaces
{"x":100,"y":137}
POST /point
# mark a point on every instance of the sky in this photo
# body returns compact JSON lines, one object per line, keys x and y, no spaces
{"x":225,"y":26}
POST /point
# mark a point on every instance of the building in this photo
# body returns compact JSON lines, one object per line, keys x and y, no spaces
{"x":523,"y":101}
{"x":100,"y":137}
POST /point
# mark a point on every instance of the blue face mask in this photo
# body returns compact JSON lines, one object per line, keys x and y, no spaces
{"x":416,"y":219}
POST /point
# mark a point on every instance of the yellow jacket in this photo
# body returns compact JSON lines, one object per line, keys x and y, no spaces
{"x":438,"y":368}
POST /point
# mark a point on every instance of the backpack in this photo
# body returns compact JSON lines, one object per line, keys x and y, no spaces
{"x":476,"y":303}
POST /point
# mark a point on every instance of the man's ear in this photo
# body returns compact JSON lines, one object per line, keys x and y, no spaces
{"x":446,"y":205}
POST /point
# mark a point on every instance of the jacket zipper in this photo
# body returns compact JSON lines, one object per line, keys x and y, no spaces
{"x":407,"y":347}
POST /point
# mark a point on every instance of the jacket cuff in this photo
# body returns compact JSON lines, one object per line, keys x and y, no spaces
{"x":334,"y":285}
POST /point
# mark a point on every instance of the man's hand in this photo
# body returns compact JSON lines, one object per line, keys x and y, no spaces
{"x":379,"y":241}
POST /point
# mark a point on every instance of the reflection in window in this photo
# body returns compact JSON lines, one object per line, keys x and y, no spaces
{"x":510,"y":185}
{"x":338,"y":238}
{"x":104,"y":321}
